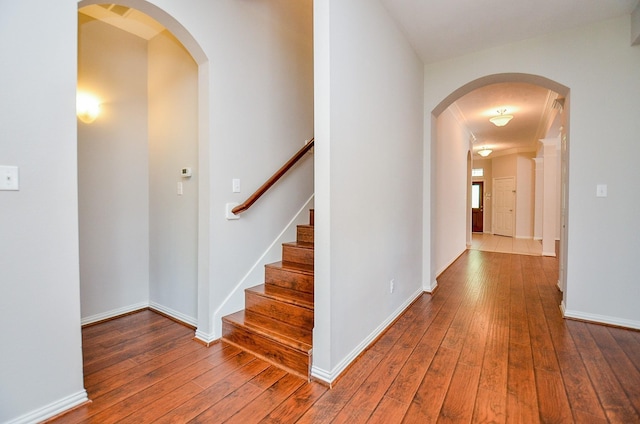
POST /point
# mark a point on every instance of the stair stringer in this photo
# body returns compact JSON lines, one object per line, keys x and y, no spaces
{"x":255,"y":275}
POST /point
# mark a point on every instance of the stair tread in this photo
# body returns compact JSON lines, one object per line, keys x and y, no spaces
{"x":299,"y":244}
{"x":293,"y":267}
{"x":293,"y":297}
{"x":288,"y":335}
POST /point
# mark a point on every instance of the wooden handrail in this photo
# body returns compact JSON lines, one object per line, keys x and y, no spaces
{"x":274,"y":179}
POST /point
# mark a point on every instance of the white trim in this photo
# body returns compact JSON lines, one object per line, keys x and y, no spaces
{"x":206,"y":338}
{"x":179,"y":316}
{"x":52,"y":409}
{"x":330,"y":376}
{"x":114,"y":313}
{"x":601,"y":319}
{"x":433,"y":287}
{"x":551,"y":254}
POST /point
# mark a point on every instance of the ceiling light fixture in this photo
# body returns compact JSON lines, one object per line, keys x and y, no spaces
{"x":501,"y":120}
{"x":484,"y":152}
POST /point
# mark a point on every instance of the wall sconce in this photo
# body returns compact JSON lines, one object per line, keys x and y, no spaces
{"x":87,"y":107}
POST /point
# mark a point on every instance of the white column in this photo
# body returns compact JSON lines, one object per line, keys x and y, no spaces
{"x":538,"y":198}
{"x":550,"y":201}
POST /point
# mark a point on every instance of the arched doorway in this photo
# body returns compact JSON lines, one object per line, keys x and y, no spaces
{"x":198,"y":162}
{"x":437,"y":163}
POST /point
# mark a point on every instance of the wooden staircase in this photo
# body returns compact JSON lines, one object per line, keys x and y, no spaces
{"x":277,"y":322}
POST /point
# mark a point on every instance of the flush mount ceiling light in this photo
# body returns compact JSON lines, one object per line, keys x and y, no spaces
{"x":501,"y":120}
{"x":484,"y":152}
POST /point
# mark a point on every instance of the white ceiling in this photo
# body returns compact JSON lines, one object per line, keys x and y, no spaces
{"x":443,"y":29}
{"x":439,"y":30}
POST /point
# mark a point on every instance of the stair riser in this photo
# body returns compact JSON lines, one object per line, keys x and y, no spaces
{"x":291,"y":314}
{"x":297,"y":255}
{"x":296,"y":361}
{"x":304,"y":234}
{"x":289,"y":279}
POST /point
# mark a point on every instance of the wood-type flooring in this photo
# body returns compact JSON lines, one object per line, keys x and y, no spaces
{"x":490,"y":346}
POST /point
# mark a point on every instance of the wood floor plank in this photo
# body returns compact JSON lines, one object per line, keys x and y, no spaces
{"x":461,"y":397}
{"x":490,"y":407}
{"x":126,"y":400}
{"x":427,"y":402}
{"x":295,"y":406}
{"x":215,"y":393}
{"x":629,"y":341}
{"x":101,"y":387}
{"x":615,"y":402}
{"x":627,"y":374}
{"x":552,"y":399}
{"x":167,"y":395}
{"x":266,"y":403}
{"x":235,"y":401}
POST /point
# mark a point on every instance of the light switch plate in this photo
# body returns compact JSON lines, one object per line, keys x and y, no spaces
{"x":601,"y":190}
{"x":9,"y":178}
{"x":235,"y":185}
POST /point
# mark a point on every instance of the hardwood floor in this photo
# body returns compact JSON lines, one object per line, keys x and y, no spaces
{"x":489,"y":346}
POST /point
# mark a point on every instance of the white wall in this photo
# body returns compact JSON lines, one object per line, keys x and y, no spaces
{"x":173,"y":144}
{"x":41,"y":365}
{"x":451,"y":189}
{"x":113,"y":172}
{"x":602,"y":281}
{"x":369,"y":178}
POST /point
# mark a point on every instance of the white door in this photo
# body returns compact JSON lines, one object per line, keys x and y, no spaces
{"x":504,"y":201}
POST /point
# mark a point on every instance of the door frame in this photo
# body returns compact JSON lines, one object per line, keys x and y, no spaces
{"x":481,"y":184}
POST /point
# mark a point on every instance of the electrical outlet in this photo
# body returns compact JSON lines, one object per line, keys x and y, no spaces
{"x":392,"y":284}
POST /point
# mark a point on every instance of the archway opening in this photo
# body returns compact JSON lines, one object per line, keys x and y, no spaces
{"x":456,"y":196}
{"x":143,"y":164}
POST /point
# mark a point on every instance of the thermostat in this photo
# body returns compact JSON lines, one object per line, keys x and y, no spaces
{"x":185,"y":172}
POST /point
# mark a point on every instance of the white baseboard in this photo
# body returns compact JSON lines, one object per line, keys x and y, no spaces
{"x":178,"y":316}
{"x":601,"y":319}
{"x":205,"y":338}
{"x":52,"y":409}
{"x":434,"y":286}
{"x":114,"y":313}
{"x":330,"y":376}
